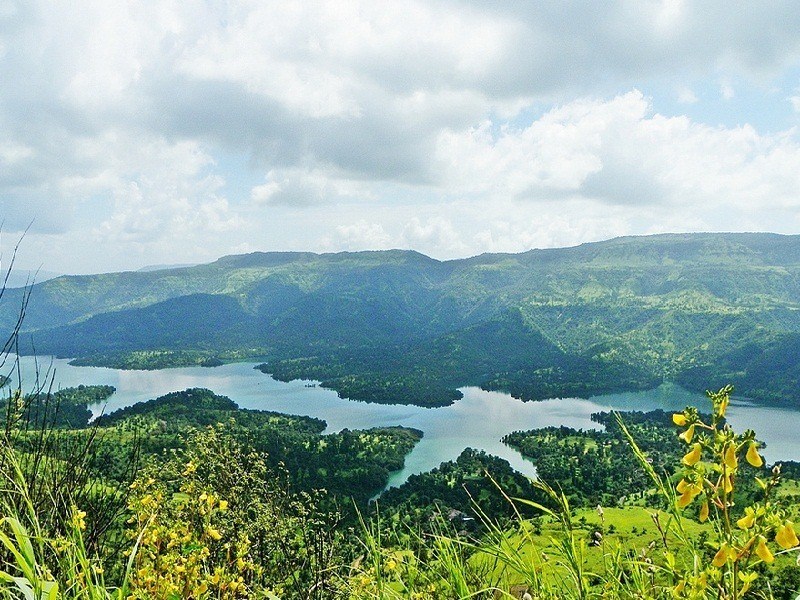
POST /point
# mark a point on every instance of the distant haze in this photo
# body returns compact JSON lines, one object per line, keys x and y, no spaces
{"x":163,"y":267}
{"x":23,"y":277}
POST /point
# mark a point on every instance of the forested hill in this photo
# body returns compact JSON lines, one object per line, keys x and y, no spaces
{"x":397,"y":326}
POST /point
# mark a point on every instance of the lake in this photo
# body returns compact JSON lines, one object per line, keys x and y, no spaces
{"x":478,"y":420}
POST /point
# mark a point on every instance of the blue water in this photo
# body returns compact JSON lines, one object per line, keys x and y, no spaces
{"x":478,"y":420}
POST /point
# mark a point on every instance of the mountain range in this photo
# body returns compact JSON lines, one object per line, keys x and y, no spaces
{"x":701,"y":310}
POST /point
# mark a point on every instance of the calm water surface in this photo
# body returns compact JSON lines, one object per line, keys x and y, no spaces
{"x":479,"y":420}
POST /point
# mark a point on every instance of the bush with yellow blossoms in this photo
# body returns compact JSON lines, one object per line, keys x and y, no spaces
{"x":746,"y":536}
{"x":217,"y":520}
{"x":181,"y":552}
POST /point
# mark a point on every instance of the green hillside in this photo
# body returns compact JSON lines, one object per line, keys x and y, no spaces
{"x":397,"y":326}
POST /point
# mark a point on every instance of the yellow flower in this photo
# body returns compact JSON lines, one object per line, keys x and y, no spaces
{"x":704,"y":512}
{"x":684,"y":500}
{"x":747,"y":521}
{"x":682,"y":486}
{"x":722,"y":555}
{"x":78,"y":518}
{"x":753,"y":457}
{"x":679,"y":419}
{"x":786,"y":537}
{"x":213,"y":533}
{"x":687,"y":435}
{"x":729,"y":457}
{"x":223,"y":505}
{"x":691,"y":492}
{"x":727,"y":484}
{"x":762,"y":551}
{"x":693,"y":457}
{"x":723,"y":405}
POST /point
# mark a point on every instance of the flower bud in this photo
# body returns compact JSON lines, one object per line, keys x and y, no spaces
{"x":704,"y":512}
{"x":727,"y":484}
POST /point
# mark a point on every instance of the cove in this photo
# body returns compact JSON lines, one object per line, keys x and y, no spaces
{"x":479,"y":420}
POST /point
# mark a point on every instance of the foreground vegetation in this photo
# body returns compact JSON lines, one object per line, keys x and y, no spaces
{"x":215,"y":515}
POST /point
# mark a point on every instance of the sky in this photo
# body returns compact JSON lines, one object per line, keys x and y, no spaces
{"x":178,"y":131}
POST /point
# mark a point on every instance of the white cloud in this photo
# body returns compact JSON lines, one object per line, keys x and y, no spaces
{"x":302,"y":187}
{"x":360,"y":235}
{"x":12,"y":153}
{"x":435,"y":232}
{"x":552,"y":227}
{"x":619,"y":152}
{"x":121,"y":119}
{"x":165,"y":194}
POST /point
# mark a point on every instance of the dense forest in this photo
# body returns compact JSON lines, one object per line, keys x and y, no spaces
{"x":353,"y":464}
{"x":594,"y":467}
{"x":396,"y":326}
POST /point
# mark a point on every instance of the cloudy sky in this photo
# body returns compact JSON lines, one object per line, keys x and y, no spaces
{"x":176,"y":131}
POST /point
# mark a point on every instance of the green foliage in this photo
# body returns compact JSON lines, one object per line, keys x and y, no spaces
{"x":217,"y":518}
{"x":148,"y":360}
{"x":198,"y":407}
{"x":67,"y":408}
{"x":351,"y":464}
{"x":396,"y":326}
{"x":455,"y":490}
{"x":595,"y":467}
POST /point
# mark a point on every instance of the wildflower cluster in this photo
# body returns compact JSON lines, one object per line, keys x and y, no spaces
{"x":218,"y":520}
{"x":181,"y":551}
{"x":711,"y":467}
